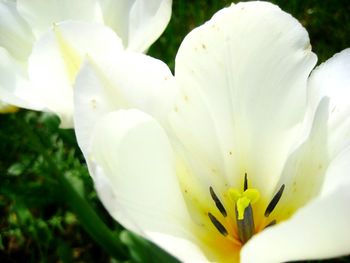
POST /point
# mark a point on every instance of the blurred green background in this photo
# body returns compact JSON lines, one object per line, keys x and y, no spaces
{"x":47,"y":201}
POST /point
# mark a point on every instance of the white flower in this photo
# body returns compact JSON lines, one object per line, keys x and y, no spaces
{"x":239,"y":156}
{"x":42,"y":44}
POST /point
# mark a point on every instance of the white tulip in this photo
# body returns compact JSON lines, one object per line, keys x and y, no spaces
{"x":43,"y":42}
{"x":241,"y":156}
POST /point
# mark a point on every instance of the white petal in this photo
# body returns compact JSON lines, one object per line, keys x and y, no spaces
{"x":42,"y":14}
{"x":184,"y":250}
{"x":133,"y":169}
{"x":305,"y":168}
{"x":129,"y":80}
{"x":57,"y":57}
{"x":14,"y":85}
{"x":337,"y":173}
{"x":328,"y":105}
{"x":15,"y":34}
{"x":243,"y":77}
{"x":180,"y":247}
{"x":138,"y":22}
{"x":332,"y":79}
{"x":319,"y":230}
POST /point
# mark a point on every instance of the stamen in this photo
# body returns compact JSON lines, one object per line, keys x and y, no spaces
{"x":218,"y":225}
{"x":246,"y":227}
{"x":245,"y":187}
{"x":274,"y":201}
{"x":273,"y":222}
{"x":218,"y":203}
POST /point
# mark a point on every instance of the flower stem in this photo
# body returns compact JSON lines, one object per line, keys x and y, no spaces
{"x":90,"y":221}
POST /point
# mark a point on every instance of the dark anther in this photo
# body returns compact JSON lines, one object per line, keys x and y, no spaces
{"x":218,"y":225}
{"x":273,"y":222}
{"x":217,"y":201}
{"x":274,"y":201}
{"x":245,"y":187}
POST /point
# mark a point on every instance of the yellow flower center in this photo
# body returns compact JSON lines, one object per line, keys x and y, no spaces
{"x":230,"y":223}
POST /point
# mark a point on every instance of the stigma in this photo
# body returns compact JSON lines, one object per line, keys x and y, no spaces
{"x":242,"y":202}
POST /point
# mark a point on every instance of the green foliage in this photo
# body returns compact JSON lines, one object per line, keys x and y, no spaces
{"x":49,"y":210}
{"x":38,"y":225}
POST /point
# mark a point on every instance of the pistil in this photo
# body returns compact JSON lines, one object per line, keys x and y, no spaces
{"x":244,"y":211}
{"x":245,"y":226}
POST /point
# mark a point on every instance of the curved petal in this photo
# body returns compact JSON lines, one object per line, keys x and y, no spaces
{"x":329,"y":106}
{"x":133,"y":168}
{"x":332,"y":80}
{"x":243,"y":80}
{"x":15,"y":34}
{"x":40,"y":15}
{"x":15,"y":88}
{"x":56,"y":59}
{"x":138,"y":22}
{"x":319,"y":230}
{"x":129,"y":80}
{"x":337,"y":174}
{"x":304,"y":172}
{"x":184,"y":250}
{"x":178,"y":245}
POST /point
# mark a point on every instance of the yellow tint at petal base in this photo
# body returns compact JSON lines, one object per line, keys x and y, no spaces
{"x":71,"y":57}
{"x":7,"y":108}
